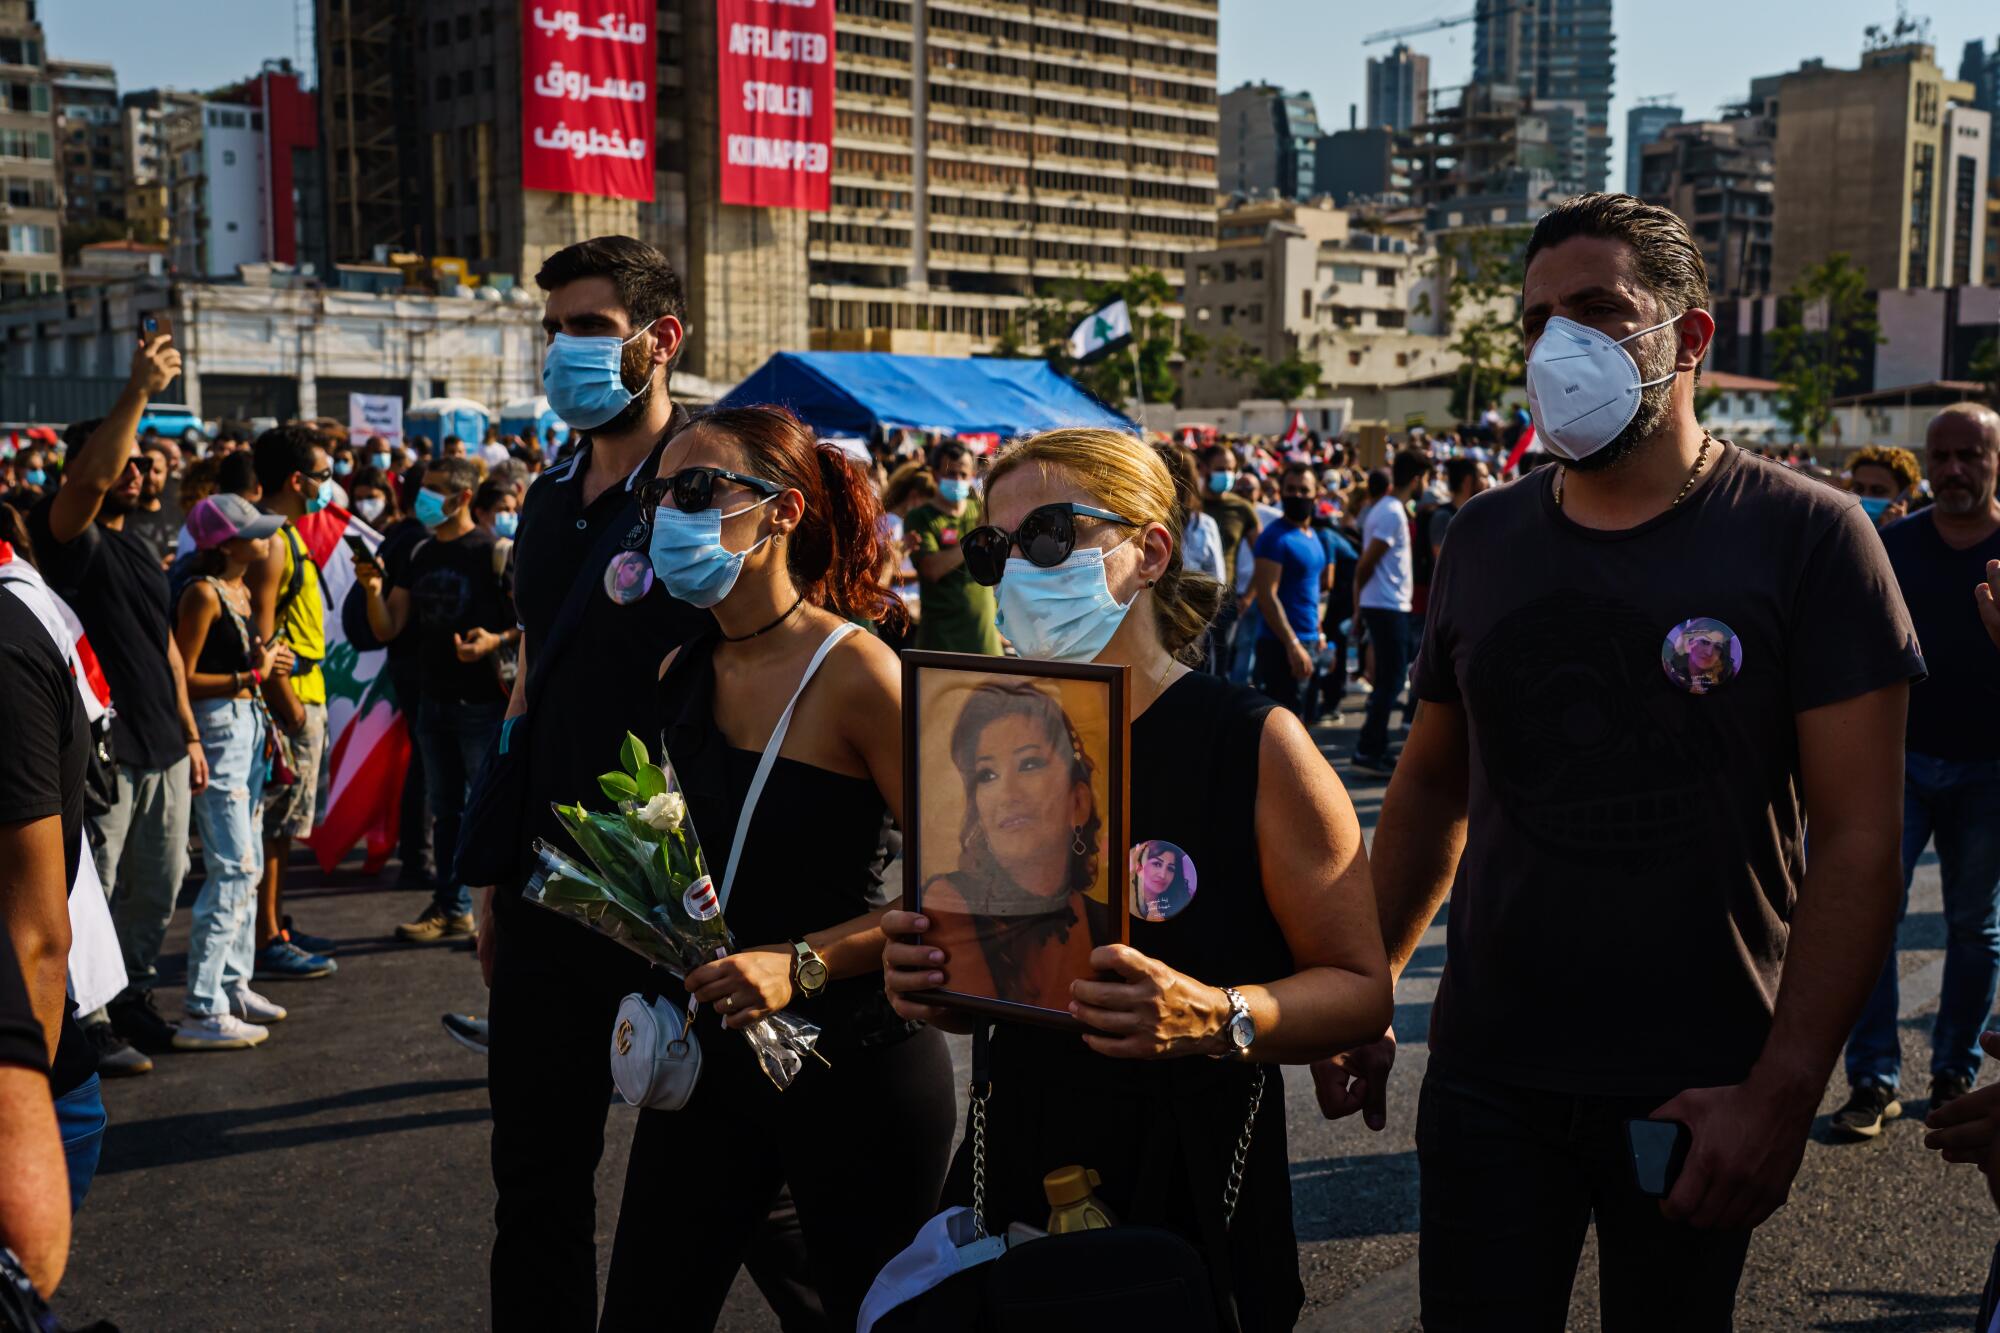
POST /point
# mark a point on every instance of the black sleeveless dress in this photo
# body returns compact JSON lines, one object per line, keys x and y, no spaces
{"x":1161,"y":1133}
{"x":806,"y":866}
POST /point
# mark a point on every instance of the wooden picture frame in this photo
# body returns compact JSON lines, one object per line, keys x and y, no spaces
{"x":1016,"y":945}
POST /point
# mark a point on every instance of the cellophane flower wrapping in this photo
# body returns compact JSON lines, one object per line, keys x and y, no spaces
{"x":645,"y":883}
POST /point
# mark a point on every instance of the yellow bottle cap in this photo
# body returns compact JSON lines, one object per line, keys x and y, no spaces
{"x":1067,"y":1185}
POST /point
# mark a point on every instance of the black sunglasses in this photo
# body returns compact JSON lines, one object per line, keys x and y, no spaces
{"x":692,"y":489}
{"x":1046,"y":537}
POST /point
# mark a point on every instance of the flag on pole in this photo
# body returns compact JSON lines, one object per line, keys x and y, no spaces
{"x":1295,"y":434}
{"x":1104,"y":330}
{"x":367,"y":736}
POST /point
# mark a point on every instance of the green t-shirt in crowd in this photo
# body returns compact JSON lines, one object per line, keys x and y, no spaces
{"x":1235,"y":518}
{"x":956,"y":614}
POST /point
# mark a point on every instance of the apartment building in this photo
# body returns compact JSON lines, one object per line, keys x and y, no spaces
{"x":31,"y":214}
{"x":1718,"y":176}
{"x":89,"y":143}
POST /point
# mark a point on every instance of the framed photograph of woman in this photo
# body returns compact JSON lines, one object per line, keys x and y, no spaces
{"x":1015,"y":841}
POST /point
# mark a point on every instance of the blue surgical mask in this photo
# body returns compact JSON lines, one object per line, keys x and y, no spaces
{"x":1065,"y":614}
{"x":321,"y":497}
{"x":953,"y":490}
{"x":1220,"y":482}
{"x":506,"y":522}
{"x":1874,"y":506}
{"x":688,"y":555}
{"x":380,"y":462}
{"x":584,"y":379}
{"x":35,"y":476}
{"x":429,"y":509}
{"x":342,"y":466}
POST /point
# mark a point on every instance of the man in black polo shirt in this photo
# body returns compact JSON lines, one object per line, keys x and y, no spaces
{"x":113,"y":580}
{"x":614,"y":319}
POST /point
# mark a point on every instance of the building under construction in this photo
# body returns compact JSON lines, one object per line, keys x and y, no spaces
{"x":1497,"y":156}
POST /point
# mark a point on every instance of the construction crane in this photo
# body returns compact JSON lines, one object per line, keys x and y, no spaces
{"x":1394,"y":34}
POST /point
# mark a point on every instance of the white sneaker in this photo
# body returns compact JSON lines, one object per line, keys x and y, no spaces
{"x":216,"y":1032}
{"x":248,"y":1004}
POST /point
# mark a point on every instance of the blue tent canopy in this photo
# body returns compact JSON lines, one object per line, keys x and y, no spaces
{"x":859,"y":393}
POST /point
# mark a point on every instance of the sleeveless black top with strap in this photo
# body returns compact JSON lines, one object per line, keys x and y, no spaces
{"x":809,"y":854}
{"x":1161,"y":1133}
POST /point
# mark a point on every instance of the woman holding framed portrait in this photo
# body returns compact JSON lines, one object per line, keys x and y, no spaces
{"x":1265,"y":950}
{"x":778,"y":535}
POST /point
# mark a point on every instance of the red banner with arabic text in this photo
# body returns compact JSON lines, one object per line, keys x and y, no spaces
{"x":587,"y":119}
{"x":774,"y":81}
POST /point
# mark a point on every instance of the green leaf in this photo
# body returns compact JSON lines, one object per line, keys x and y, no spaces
{"x":633,"y":754}
{"x":617,"y":786}
{"x":651,"y":781}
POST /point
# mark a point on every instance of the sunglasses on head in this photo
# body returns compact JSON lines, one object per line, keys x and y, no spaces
{"x":692,"y":489}
{"x":1046,"y":537}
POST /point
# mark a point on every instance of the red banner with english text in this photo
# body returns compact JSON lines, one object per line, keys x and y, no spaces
{"x":587,"y":120}
{"x":774,"y":81}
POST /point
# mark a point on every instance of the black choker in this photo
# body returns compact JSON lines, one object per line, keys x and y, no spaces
{"x":738,"y":638}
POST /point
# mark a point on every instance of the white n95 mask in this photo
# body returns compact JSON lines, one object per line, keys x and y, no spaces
{"x":1583,"y":386}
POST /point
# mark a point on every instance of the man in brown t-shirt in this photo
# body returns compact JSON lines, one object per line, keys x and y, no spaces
{"x":1640,"y":670}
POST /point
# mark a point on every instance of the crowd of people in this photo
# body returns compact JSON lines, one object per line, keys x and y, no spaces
{"x":1631,"y":663}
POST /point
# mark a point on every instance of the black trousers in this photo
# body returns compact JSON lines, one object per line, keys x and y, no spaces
{"x":1391,"y":633}
{"x":1275,"y":678}
{"x":1512,"y":1177}
{"x":556,"y":990}
{"x":719,"y":1162}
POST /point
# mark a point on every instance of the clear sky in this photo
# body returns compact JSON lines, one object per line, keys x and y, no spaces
{"x":1700,"y":52}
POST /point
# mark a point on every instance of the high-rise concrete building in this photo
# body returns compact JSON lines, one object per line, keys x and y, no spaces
{"x":1553,"y":51}
{"x":1051,"y":141}
{"x":31,"y":235}
{"x":1865,"y":166}
{"x":421,"y":104}
{"x":1399,"y":86}
{"x":1267,"y":138}
{"x":1718,"y":176}
{"x":1981,"y":68}
{"x":1497,"y":157}
{"x":149,"y":121}
{"x":1962,"y":196}
{"x":1643,"y":124}
{"x":1351,"y":165}
{"x":242,"y":173}
{"x":90,"y":144}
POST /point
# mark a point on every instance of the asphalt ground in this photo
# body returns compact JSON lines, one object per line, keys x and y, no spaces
{"x":336,"y":1177}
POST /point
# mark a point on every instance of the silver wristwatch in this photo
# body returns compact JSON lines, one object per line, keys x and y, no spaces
{"x":1241,"y":1029}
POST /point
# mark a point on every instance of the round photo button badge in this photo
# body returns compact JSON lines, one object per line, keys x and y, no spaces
{"x":1701,"y":655}
{"x":628,"y":576}
{"x":1162,"y":880}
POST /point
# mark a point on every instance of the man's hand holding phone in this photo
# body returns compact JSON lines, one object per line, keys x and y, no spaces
{"x":1747,"y":1145}
{"x":155,"y":363}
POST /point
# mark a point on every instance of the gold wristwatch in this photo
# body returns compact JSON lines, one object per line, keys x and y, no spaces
{"x":808,"y":970}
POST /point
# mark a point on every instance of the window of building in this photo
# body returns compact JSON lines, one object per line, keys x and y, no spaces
{"x":1385,"y":277}
{"x":229,"y":226}
{"x":440,"y":33}
{"x":229,"y":157}
{"x":1402,"y":359}
{"x":465,"y":82}
{"x":464,"y":26}
{"x":1306,"y":304}
{"x":1354,"y":358}
{"x":442,"y":88}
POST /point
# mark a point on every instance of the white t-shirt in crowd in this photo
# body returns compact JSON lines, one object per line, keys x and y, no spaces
{"x":1388,"y":588}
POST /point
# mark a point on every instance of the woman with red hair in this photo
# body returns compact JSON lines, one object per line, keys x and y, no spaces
{"x":777,"y":535}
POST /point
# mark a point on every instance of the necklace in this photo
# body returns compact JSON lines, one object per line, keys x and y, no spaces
{"x":1700,"y":461}
{"x":796,"y":604}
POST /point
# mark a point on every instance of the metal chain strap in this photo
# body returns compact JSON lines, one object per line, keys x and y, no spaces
{"x":1242,"y":1156}
{"x":979,"y":1096}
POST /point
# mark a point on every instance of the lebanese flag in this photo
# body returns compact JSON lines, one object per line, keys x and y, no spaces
{"x":1295,"y":434}
{"x":1521,"y":447}
{"x":367,"y":733}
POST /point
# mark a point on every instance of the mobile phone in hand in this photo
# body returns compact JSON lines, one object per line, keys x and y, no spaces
{"x":154,"y":322}
{"x":1659,"y":1150}
{"x":359,"y":549}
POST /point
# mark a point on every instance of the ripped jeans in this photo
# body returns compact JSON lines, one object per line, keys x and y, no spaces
{"x":222,"y":943}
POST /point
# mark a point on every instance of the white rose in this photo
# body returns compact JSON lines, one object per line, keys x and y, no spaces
{"x":664,"y":812}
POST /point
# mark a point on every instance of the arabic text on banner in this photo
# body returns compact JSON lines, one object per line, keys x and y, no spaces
{"x":587,"y":107}
{"x":370,"y":415}
{"x":774,"y":81}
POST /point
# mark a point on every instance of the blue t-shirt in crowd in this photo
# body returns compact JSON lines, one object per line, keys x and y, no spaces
{"x":1952,"y":714}
{"x":1301,"y":559}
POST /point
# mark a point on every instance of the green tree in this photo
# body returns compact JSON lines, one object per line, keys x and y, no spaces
{"x":1290,"y":378}
{"x":1483,"y":292}
{"x":1041,"y":330}
{"x":1986,"y":368}
{"x":1828,"y":332}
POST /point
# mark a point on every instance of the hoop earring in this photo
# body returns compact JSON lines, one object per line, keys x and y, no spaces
{"x":1076,"y":842}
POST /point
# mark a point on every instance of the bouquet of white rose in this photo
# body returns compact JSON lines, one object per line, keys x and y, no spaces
{"x":647,"y":886}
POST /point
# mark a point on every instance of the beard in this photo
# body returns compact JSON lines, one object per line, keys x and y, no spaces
{"x":1655,"y":402}
{"x":635,"y":372}
{"x":1956,"y":500}
{"x":120,"y":503}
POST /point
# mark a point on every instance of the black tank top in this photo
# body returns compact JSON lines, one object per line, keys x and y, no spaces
{"x":223,"y":651}
{"x":1161,"y":1133}
{"x":809,"y":854}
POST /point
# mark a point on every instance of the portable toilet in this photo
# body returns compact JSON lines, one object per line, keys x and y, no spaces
{"x":532,"y":419}
{"x":431,"y":419}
